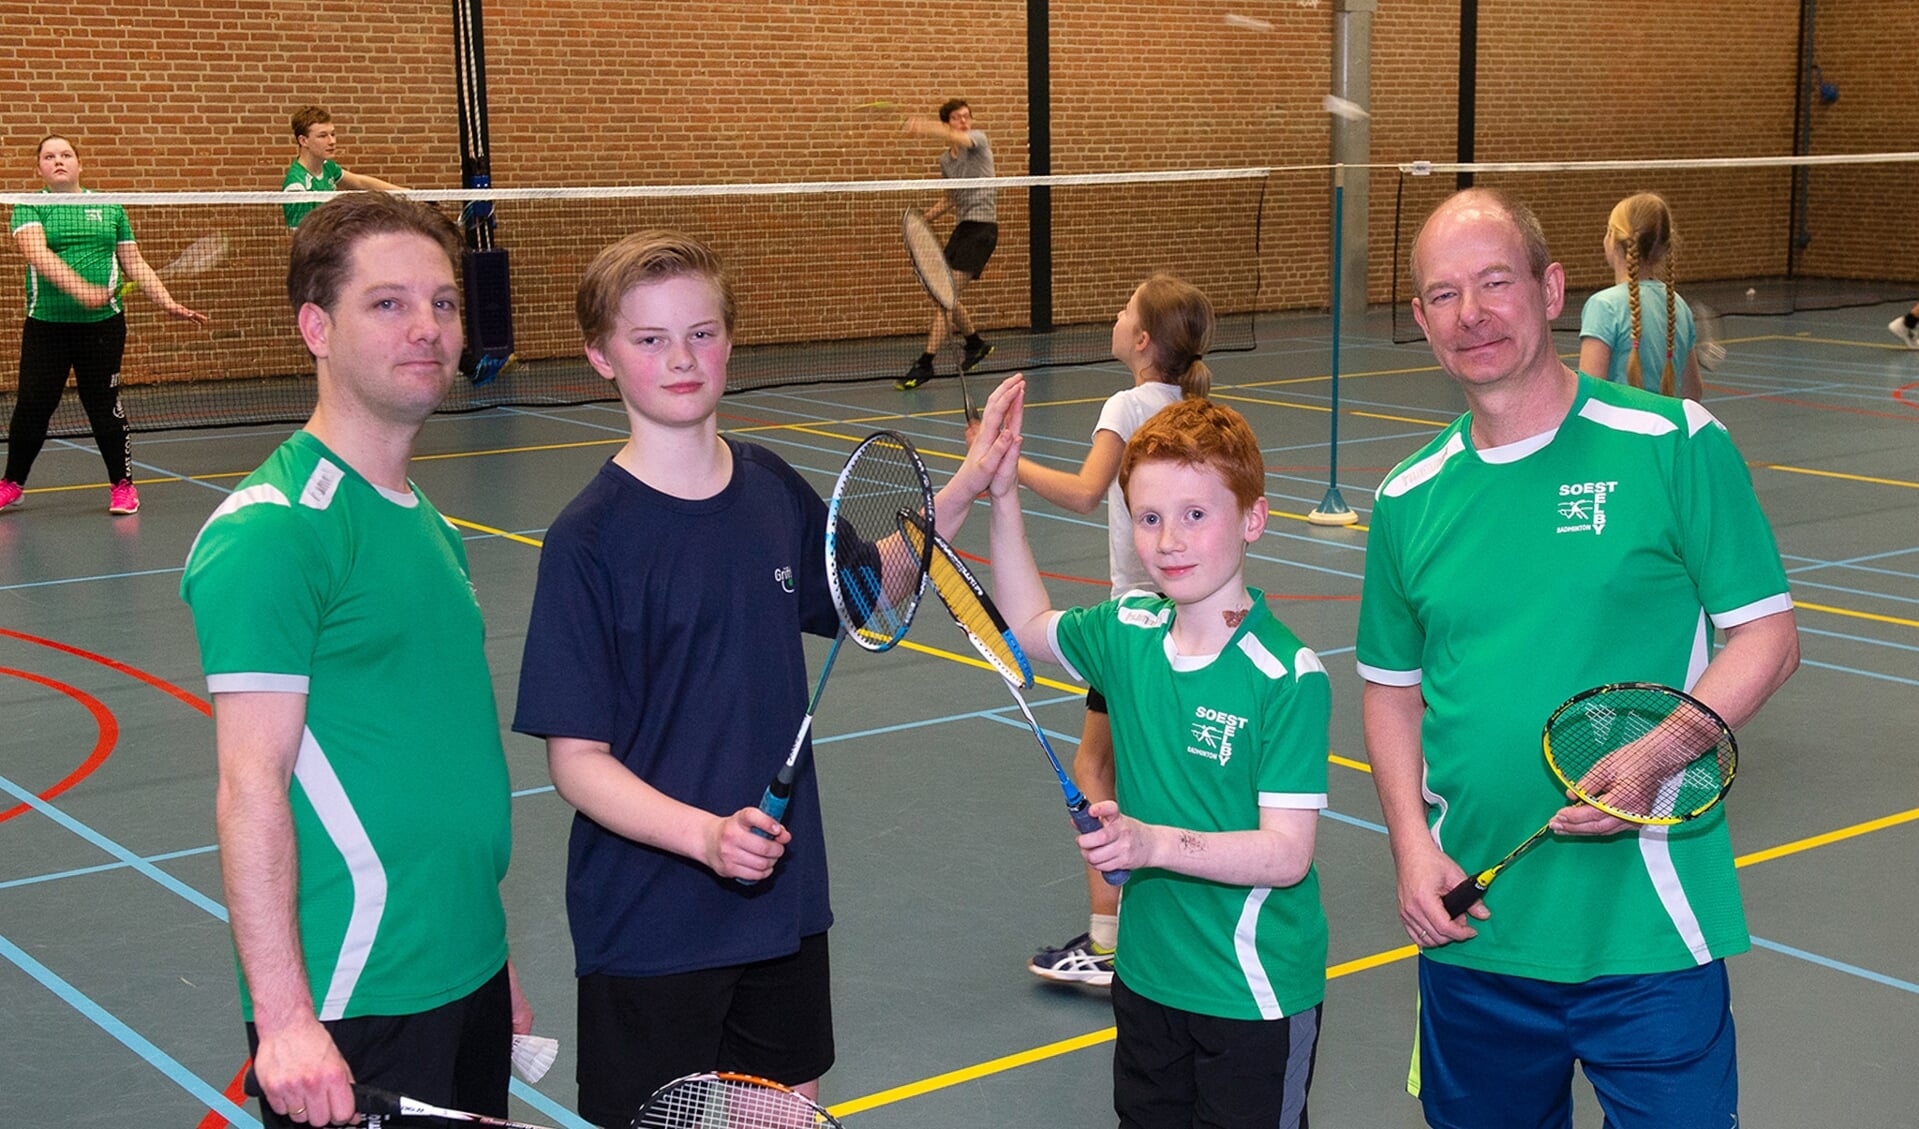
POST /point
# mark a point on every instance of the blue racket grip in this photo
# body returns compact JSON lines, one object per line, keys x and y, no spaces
{"x":774,"y":806}
{"x":1086,"y":821}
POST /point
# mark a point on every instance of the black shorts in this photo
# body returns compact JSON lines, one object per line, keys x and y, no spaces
{"x":1095,"y":701}
{"x":1174,"y":1069}
{"x":970,"y":245}
{"x":772,"y":1019}
{"x":457,"y":1055}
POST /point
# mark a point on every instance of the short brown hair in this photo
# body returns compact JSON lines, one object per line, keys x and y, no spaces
{"x":306,"y":117}
{"x":55,"y":137}
{"x":1199,"y":433}
{"x":323,"y":243}
{"x":643,"y":257}
{"x":950,"y":105}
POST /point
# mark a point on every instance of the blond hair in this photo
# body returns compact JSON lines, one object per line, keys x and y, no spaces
{"x":1641,"y":227}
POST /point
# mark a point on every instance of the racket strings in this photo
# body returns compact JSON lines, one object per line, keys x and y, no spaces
{"x":929,"y":258}
{"x":726,"y":1103}
{"x":1643,"y":754}
{"x":876,"y":577}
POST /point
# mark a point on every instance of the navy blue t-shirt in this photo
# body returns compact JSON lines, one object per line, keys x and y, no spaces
{"x":671,"y":630}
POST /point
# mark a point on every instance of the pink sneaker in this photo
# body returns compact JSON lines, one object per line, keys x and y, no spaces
{"x":126,"y":500}
{"x":10,"y":493}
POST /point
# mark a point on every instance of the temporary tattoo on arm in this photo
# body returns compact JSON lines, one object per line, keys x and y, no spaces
{"x":1190,"y":843}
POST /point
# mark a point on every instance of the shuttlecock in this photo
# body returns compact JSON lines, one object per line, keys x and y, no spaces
{"x":1752,"y":292}
{"x":1250,"y":23}
{"x":533,"y":1056}
{"x":1341,"y":108}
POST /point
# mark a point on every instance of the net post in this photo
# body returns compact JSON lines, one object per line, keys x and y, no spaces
{"x":1333,"y":510}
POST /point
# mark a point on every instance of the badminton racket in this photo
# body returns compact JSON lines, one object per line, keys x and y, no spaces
{"x":200,"y":254}
{"x":730,"y":1101}
{"x":986,"y":629}
{"x":378,"y":1105}
{"x":1708,"y":332}
{"x":875,"y":576}
{"x":924,"y":251}
{"x":1638,"y":751}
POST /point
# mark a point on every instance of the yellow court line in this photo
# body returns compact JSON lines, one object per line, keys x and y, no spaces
{"x":1829,"y":610}
{"x":1843,"y":833}
{"x":477,"y":527}
{"x":1333,"y":972}
{"x":1837,"y":474}
{"x":1344,"y":762}
{"x":969,"y":660}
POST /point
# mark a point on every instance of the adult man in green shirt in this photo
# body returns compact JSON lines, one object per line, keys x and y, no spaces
{"x":314,"y":170}
{"x":363,"y":797}
{"x":1565,"y":532}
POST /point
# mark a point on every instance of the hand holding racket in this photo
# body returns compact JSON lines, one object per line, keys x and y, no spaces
{"x":1636,"y":752}
{"x":876,"y":578}
{"x":986,"y":629}
{"x":1708,"y":331}
{"x":378,"y":1105}
{"x":730,"y":1101}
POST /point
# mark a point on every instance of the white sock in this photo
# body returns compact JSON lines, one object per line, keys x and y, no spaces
{"x":1104,"y":931}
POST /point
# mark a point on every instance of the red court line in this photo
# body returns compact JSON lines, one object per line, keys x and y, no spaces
{"x":152,"y":680}
{"x":1899,"y":394}
{"x":102,"y":746}
{"x":235,"y":1093}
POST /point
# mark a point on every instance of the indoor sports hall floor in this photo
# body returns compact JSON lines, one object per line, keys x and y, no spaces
{"x":952,"y":856}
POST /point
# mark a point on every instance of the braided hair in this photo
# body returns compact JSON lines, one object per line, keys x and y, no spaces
{"x":1641,"y":226}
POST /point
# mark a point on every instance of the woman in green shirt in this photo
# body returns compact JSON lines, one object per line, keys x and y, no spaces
{"x":77,"y":255}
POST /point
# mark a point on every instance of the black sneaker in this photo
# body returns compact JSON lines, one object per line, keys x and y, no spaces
{"x":919,"y":374}
{"x":975,"y":354}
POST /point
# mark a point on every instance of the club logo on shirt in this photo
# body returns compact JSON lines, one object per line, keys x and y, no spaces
{"x":783,"y":576}
{"x":96,"y":215}
{"x":1582,"y":506}
{"x":1212,"y":734}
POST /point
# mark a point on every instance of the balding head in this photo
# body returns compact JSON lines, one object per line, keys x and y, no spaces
{"x":1483,"y":203}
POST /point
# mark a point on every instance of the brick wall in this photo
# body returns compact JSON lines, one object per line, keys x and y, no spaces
{"x":193,"y":94}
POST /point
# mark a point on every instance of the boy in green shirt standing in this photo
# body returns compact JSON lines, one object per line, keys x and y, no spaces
{"x":314,"y":170}
{"x":1220,"y":719}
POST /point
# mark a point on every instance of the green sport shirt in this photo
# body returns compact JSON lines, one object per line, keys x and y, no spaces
{"x":86,"y":237}
{"x":298,"y":179}
{"x":1205,"y":742}
{"x":308,"y":579}
{"x":1502,"y":582}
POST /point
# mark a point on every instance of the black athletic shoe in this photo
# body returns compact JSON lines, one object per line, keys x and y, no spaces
{"x":975,"y":354}
{"x":919,"y":374}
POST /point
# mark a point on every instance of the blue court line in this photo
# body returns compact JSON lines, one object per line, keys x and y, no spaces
{"x":91,"y":579}
{"x":114,"y":849}
{"x":192,"y":1083}
{"x":81,"y":872}
{"x":1328,"y":813}
{"x":550,"y":1109}
{"x":1839,"y":966}
{"x":1867,"y":593}
{"x":159,"y":1059}
{"x":1861,"y":673}
{"x":1804,"y":630}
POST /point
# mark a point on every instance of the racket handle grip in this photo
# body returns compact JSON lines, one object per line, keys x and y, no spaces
{"x":366,"y":1099}
{"x":1086,"y":822}
{"x":1463,"y":897}
{"x":774,"y":804}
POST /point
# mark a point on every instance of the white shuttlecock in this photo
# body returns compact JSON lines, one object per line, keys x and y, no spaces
{"x":1341,"y":108}
{"x":1234,"y":19}
{"x":533,"y":1056}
